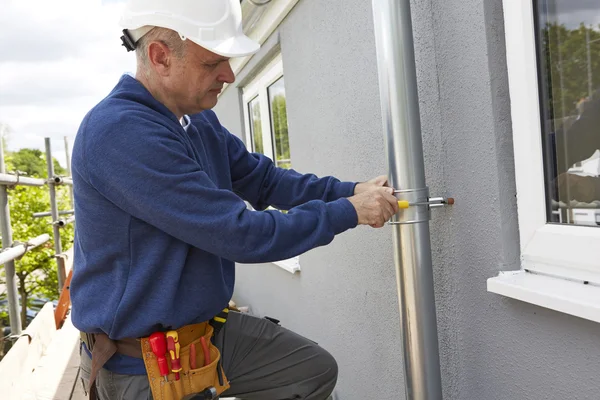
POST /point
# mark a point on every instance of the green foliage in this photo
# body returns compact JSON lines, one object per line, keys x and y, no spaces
{"x":279,"y":124}
{"x":3,"y":314}
{"x":280,"y":131}
{"x":570,"y":56}
{"x":256,"y":126}
{"x":36,"y":271}
{"x":32,"y":162}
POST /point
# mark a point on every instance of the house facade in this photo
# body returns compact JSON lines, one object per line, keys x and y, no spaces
{"x":509,"y":106}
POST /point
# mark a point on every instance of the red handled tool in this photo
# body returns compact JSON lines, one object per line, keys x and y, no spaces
{"x":158,"y":343}
{"x":174,"y":347}
{"x":192,"y":356}
{"x":205,"y":350}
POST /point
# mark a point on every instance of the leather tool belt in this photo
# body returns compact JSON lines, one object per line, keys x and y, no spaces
{"x":201,"y":375}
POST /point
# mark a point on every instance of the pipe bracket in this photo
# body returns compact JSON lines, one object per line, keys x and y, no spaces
{"x":415,"y":214}
{"x":418,"y":207}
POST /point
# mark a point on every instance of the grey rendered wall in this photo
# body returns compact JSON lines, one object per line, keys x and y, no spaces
{"x":492,"y":347}
{"x":345,"y":296}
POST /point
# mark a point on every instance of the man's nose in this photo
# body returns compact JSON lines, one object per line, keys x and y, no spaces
{"x":227,"y":74}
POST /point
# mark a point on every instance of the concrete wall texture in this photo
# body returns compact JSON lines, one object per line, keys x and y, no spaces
{"x":345,"y":297}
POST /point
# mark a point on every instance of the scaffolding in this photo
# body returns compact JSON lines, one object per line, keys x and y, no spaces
{"x":12,"y":250}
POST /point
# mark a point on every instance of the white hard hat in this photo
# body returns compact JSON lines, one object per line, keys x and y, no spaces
{"x":215,"y":25}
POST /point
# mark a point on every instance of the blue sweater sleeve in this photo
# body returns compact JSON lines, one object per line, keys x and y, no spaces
{"x":256,"y":179}
{"x":144,"y":168}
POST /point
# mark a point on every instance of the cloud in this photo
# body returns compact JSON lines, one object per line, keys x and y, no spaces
{"x":41,"y":84}
{"x":54,"y":122}
{"x":573,"y":13}
{"x":577,"y":5}
{"x":42,"y":31}
{"x":57,"y":60}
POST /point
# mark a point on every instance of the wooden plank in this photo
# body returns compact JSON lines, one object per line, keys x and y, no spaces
{"x":64,"y":303}
{"x":16,"y":367}
{"x":41,"y":330}
{"x":56,"y":373}
{"x":12,"y":367}
{"x":69,"y":259}
{"x":25,"y":357}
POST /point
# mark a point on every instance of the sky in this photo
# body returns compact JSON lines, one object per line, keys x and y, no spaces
{"x":58,"y":59}
{"x":574,"y":12}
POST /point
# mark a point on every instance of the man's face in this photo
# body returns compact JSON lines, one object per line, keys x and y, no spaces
{"x":198,"y":78}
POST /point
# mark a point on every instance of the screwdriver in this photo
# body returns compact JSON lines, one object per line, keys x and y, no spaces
{"x":205,"y":350}
{"x":174,"y":347}
{"x":158,"y":344}
{"x":403,"y":204}
{"x":193,"y":356}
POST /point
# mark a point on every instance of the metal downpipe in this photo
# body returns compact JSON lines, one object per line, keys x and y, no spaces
{"x":404,"y":152}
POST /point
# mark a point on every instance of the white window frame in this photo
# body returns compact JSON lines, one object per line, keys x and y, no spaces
{"x":566,"y":281}
{"x":259,"y":86}
{"x":271,"y":16}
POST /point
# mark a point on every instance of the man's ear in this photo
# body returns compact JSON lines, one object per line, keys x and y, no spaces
{"x":159,"y":55}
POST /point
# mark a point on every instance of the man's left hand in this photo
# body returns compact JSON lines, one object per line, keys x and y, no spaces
{"x":374,"y":183}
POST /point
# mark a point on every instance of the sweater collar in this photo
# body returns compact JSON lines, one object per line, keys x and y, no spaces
{"x":132,"y":89}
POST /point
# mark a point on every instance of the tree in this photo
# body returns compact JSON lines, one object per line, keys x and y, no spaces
{"x":256,"y":127}
{"x":572,"y":57}
{"x":33,"y":163}
{"x":280,"y":131}
{"x":36,"y":271}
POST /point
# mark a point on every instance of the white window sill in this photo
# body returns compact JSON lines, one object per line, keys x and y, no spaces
{"x":291,"y":265}
{"x":569,"y":297}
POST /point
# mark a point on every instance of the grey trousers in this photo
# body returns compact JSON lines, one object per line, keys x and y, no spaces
{"x":262,"y":360}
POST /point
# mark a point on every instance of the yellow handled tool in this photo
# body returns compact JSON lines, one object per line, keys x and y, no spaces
{"x":174,"y":347}
{"x":403,"y":204}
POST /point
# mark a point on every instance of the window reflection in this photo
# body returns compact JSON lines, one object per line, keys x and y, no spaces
{"x":569,"y":57}
{"x":255,"y":125}
{"x":279,"y":123}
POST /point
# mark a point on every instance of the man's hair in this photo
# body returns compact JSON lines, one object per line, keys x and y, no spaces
{"x":168,"y":37}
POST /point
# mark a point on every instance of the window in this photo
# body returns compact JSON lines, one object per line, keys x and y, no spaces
{"x":255,"y":128}
{"x":568,"y":48}
{"x":279,"y":126}
{"x":265,"y":115}
{"x":553,"y":57}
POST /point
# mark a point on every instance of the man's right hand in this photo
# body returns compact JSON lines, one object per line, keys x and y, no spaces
{"x":375,"y":207}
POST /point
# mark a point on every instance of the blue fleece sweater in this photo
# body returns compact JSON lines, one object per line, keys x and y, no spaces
{"x":161,"y":217}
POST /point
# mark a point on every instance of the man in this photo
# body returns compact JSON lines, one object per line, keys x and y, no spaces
{"x":161,"y":217}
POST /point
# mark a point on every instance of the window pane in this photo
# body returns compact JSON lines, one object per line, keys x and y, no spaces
{"x":569,"y":57}
{"x":279,"y":124}
{"x":255,"y":126}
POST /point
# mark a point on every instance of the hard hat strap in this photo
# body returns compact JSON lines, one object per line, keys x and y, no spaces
{"x":127,"y":40}
{"x":132,"y":36}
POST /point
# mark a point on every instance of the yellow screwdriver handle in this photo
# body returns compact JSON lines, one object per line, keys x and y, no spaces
{"x":176,"y":366}
{"x":403,"y":204}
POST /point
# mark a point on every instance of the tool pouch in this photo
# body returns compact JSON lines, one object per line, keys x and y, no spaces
{"x":190,"y":381}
